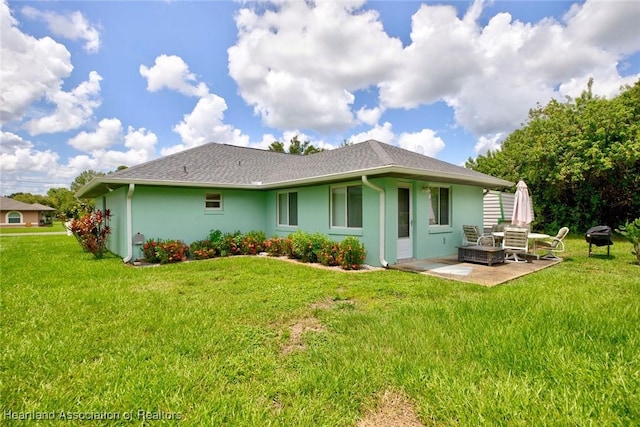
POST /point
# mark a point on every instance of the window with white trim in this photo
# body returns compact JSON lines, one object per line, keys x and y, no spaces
{"x":14,"y":218}
{"x":440,"y":206}
{"x":213,"y":201}
{"x":346,"y":206}
{"x":288,"y":208}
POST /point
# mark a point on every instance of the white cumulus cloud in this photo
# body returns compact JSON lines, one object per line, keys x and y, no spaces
{"x":139,"y":147}
{"x":18,"y":154}
{"x":382,"y":133}
{"x":73,"y":26}
{"x":299,"y":63}
{"x":73,"y":109}
{"x":440,"y":58}
{"x":489,"y":143}
{"x":171,"y":72}
{"x":205,"y":124}
{"x":424,"y":142}
{"x":612,"y":26}
{"x":108,"y":133}
{"x":30,"y":68}
{"x":370,"y":116}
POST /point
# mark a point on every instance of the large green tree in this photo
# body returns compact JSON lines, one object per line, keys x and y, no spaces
{"x":30,"y":198}
{"x":580,"y":159}
{"x":295,"y":147}
{"x":84,"y":178}
{"x":63,"y":199}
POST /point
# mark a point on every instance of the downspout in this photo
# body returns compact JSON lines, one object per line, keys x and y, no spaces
{"x":366,"y":182}
{"x":129,"y":240}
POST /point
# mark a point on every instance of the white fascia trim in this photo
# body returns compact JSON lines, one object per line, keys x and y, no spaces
{"x":356,"y":174}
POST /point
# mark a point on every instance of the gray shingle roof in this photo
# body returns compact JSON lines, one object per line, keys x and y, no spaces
{"x":228,"y":165}
{"x":8,"y":204}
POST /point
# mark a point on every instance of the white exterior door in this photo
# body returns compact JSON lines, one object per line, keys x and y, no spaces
{"x":405,"y":223}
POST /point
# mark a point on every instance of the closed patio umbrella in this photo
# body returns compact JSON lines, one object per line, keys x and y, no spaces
{"x":522,"y":206}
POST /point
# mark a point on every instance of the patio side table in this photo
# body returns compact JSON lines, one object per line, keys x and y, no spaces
{"x":481,"y":254}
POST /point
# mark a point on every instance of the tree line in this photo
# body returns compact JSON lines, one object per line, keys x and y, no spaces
{"x":62,"y":199}
{"x":580,"y":159}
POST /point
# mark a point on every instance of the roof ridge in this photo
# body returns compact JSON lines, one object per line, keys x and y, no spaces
{"x":250,"y":148}
{"x":160,"y":159}
{"x":381,"y":151}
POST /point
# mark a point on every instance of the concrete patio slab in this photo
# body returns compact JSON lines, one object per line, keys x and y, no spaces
{"x":450,"y":268}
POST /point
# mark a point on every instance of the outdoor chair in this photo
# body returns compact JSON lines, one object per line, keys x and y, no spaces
{"x":553,"y":246}
{"x":516,"y":241}
{"x":499,"y":228}
{"x":473,"y":237}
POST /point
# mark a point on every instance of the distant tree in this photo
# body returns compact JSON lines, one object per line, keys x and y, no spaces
{"x":63,"y":200}
{"x":30,"y":198}
{"x":295,"y":147}
{"x":277,"y":146}
{"x":121,"y":167}
{"x":580,"y":160}
{"x":84,"y":178}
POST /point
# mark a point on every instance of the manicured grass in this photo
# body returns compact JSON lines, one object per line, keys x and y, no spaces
{"x":57,"y":226}
{"x":206,"y":340}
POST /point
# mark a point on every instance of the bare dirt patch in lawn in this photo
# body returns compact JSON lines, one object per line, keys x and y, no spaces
{"x":330,"y":303}
{"x":394,"y":409}
{"x":302,"y":326}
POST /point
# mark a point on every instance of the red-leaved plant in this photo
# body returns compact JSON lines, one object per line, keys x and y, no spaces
{"x":92,"y":230}
{"x":165,"y":251}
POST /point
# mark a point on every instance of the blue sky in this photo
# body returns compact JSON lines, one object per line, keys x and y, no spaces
{"x":96,"y":85}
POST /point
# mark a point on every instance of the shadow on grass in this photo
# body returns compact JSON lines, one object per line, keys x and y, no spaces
{"x":602,"y":256}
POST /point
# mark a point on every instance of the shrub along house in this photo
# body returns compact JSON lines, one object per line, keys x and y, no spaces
{"x":400,"y":204}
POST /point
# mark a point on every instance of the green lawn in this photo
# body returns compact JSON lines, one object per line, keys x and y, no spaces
{"x":57,"y":226}
{"x":257,"y":341}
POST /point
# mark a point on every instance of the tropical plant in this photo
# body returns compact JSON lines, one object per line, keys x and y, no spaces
{"x":352,"y":253}
{"x":203,"y":249}
{"x":150,"y":250}
{"x":307,"y":246}
{"x":216,"y":236}
{"x":329,"y":254}
{"x":231,"y":244}
{"x":92,"y":230}
{"x":631,"y":231}
{"x":173,"y":251}
{"x":165,"y":251}
{"x":277,"y":246}
{"x":253,"y":243}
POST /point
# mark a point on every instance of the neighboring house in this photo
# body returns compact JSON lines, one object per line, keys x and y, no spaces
{"x":14,"y":213}
{"x":400,"y":204}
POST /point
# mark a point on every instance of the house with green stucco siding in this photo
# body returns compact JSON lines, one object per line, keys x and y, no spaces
{"x":398,"y":203}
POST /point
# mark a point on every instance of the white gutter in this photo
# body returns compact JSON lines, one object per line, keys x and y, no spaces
{"x":366,"y":182}
{"x":129,"y":238}
{"x":439,"y":176}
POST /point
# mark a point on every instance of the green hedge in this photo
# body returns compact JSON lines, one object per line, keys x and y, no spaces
{"x":306,"y":247}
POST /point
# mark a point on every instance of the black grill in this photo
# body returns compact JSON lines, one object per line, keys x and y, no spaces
{"x":600,"y":235}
